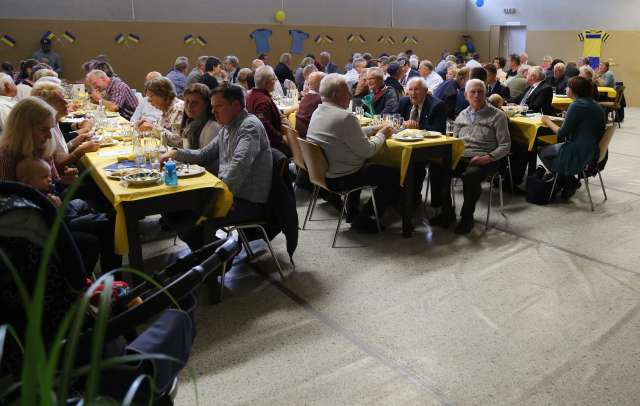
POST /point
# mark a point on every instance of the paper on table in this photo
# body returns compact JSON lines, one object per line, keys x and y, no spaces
{"x":113,"y":152}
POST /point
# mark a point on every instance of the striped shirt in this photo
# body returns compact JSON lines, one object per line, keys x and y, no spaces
{"x":121,"y":94}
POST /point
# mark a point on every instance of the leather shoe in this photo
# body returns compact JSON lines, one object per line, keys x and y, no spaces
{"x":464,"y":227}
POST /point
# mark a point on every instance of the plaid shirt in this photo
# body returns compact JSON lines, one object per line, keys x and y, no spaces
{"x":119,"y":93}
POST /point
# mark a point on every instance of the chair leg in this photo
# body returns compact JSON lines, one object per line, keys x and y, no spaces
{"x":553,"y":186}
{"x":307,"y":216}
{"x":486,"y":225}
{"x":245,"y":242}
{"x":510,"y":175}
{"x":453,"y":192}
{"x":375,"y":209}
{"x":344,"y":208}
{"x":602,"y":184}
{"x":223,"y":273}
{"x":273,"y":255}
{"x":426,"y":193}
{"x":501,"y":197}
{"x":586,"y":183}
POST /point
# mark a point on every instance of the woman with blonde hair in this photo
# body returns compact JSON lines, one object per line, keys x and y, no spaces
{"x":66,"y":153}
{"x":27,"y":134}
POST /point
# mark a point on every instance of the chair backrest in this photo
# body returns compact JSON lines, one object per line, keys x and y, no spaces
{"x":316,"y":162}
{"x":603,"y":145}
{"x":619,"y":94}
{"x":292,"y":139}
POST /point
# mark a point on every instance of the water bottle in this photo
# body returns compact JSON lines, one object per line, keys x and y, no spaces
{"x":170,"y":174}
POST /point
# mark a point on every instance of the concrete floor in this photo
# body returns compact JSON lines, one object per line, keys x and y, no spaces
{"x":542,"y":309}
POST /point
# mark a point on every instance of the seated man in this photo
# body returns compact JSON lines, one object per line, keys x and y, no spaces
{"x":118,"y":96}
{"x":260,"y":103}
{"x":429,"y":74}
{"x":461,"y":100}
{"x":517,"y":84}
{"x":485,"y":132}
{"x":448,"y":91}
{"x":309,"y":103}
{"x":347,"y":147}
{"x":244,"y":164}
{"x":605,"y":76}
{"x":493,"y":84}
{"x":539,"y":95}
{"x":393,"y":79}
{"x":559,"y":80}
{"x":385,"y":98}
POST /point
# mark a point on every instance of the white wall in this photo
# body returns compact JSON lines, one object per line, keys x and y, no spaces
{"x":557,"y":15}
{"x":427,"y":14}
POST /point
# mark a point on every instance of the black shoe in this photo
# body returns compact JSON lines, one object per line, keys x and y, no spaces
{"x":568,"y":192}
{"x":464,"y":227}
{"x":366,"y":225}
{"x":443,"y":220}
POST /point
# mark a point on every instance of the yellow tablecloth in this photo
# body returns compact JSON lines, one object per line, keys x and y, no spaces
{"x":292,"y":119}
{"x":116,"y":193}
{"x":561,"y":103}
{"x":609,"y":91}
{"x":526,"y":130}
{"x":398,"y":153}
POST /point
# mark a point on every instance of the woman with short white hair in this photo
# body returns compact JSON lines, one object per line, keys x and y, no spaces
{"x":283,"y":69}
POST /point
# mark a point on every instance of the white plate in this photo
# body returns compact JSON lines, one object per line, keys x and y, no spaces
{"x":142,"y":179}
{"x":433,"y":134}
{"x":408,"y":137}
{"x":190,"y":171}
{"x":118,"y":174}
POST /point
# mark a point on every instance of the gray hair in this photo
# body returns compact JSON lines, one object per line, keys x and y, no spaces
{"x":537,"y":72}
{"x":309,"y":69}
{"x":586,"y":70}
{"x":181,"y":63}
{"x":325,"y":54}
{"x":377,"y":72}
{"x":232,"y":60}
{"x":522,"y":69}
{"x":96,"y":73}
{"x":450,"y":58}
{"x":414,"y":61}
{"x":359,"y":61}
{"x":48,"y":72}
{"x":50,"y":79}
{"x":419,"y":79}
{"x":306,"y":61}
{"x":202,"y":60}
{"x":547,"y":58}
{"x":426,"y":64}
{"x":285,"y":58}
{"x":262,"y":75}
{"x":330,"y":86}
{"x":475,"y":83}
{"x":560,"y":66}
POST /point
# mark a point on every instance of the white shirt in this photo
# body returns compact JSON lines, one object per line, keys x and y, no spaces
{"x":145,"y":111}
{"x":433,"y":81}
{"x":23,"y":91}
{"x":6,"y":104}
{"x":351,"y":77}
{"x":473,"y":64}
{"x":209,"y":132}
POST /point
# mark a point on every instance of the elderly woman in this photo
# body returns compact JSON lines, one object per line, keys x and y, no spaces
{"x":161,"y":95}
{"x":306,"y":72}
{"x":43,"y":73}
{"x":66,"y":153}
{"x":283,"y":69}
{"x":198,"y":124}
{"x":260,"y":103}
{"x":578,"y":137}
{"x":299,"y":74}
{"x":245,"y":79}
{"x":588,"y":73}
{"x":384,"y":98}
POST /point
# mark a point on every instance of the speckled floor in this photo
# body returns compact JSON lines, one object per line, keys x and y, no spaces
{"x":542,"y":309}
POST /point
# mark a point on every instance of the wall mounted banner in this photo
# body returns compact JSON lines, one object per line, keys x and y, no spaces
{"x":67,"y":35}
{"x":593,"y":40}
{"x":120,"y":38}
{"x":188,"y":39}
{"x":297,"y":41}
{"x":134,"y":38}
{"x":8,"y":40}
{"x":261,"y":37}
{"x":201,"y":41}
{"x":409,"y":40}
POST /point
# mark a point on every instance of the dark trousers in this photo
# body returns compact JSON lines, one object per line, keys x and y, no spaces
{"x":385,"y":178}
{"x":194,"y":234}
{"x":472,"y":177}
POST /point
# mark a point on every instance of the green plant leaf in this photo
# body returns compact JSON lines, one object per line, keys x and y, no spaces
{"x":133,"y":389}
{"x":97,"y":342}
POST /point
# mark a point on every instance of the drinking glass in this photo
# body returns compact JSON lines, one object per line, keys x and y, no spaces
{"x":451,"y":129}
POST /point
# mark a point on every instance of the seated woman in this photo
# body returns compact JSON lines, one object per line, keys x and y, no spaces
{"x":577,"y":138}
{"x":245,"y":79}
{"x":66,"y":153}
{"x":24,"y":81}
{"x":198,"y":124}
{"x":162,"y":96}
{"x":28,"y":134}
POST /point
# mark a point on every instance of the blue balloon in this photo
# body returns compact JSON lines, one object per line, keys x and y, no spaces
{"x":479,"y":3}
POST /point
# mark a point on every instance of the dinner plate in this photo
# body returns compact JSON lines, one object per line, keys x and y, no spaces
{"x":408,"y":137}
{"x":143,"y":179}
{"x":118,"y":174}
{"x":189,"y":171}
{"x":112,"y":114}
{"x":433,"y":134}
{"x":109,"y":143}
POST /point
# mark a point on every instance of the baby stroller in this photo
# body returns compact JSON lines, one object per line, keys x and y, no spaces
{"x":152,"y":325}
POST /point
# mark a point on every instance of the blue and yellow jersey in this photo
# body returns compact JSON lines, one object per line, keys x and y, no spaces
{"x":593,"y":40}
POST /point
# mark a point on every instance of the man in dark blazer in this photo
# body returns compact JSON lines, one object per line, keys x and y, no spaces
{"x":493,"y":85}
{"x":395,"y":73}
{"x":327,"y":65}
{"x":538,"y":96}
{"x":559,"y":80}
{"x":407,"y":71}
{"x":420,"y":110}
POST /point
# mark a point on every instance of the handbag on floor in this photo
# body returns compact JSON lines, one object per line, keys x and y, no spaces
{"x":539,"y":187}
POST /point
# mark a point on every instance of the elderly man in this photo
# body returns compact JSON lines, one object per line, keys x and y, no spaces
{"x":231,"y":65}
{"x":283,"y":68}
{"x":347,"y":147}
{"x":353,"y":75}
{"x":559,"y":80}
{"x":309,"y":103}
{"x":178,"y":75}
{"x":145,"y":110}
{"x":485,"y":132}
{"x":195,"y":76}
{"x":327,"y":65}
{"x":384,"y":98}
{"x":257,"y":64}
{"x":260,"y":103}
{"x":394,"y":73}
{"x":539,"y":95}
{"x":605,"y":76}
{"x":114,"y":93}
{"x":547,"y":65}
{"x":242,"y":152}
{"x":493,"y":84}
{"x":518,"y":83}
{"x":8,"y":92}
{"x":407,"y":71}
{"x":429,"y":74}
{"x":524,"y":58}
{"x":46,"y":55}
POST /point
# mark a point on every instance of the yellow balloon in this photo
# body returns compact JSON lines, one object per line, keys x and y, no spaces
{"x":280,"y":16}
{"x":463,"y":49}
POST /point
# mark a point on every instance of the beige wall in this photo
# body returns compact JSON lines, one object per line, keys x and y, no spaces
{"x":162,"y":42}
{"x":565,"y":45}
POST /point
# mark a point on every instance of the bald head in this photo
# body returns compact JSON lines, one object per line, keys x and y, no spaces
{"x":256,"y":63}
{"x":314,"y":80}
{"x":152,"y":75}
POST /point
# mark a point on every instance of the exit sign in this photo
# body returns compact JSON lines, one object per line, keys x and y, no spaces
{"x":509,"y":11}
